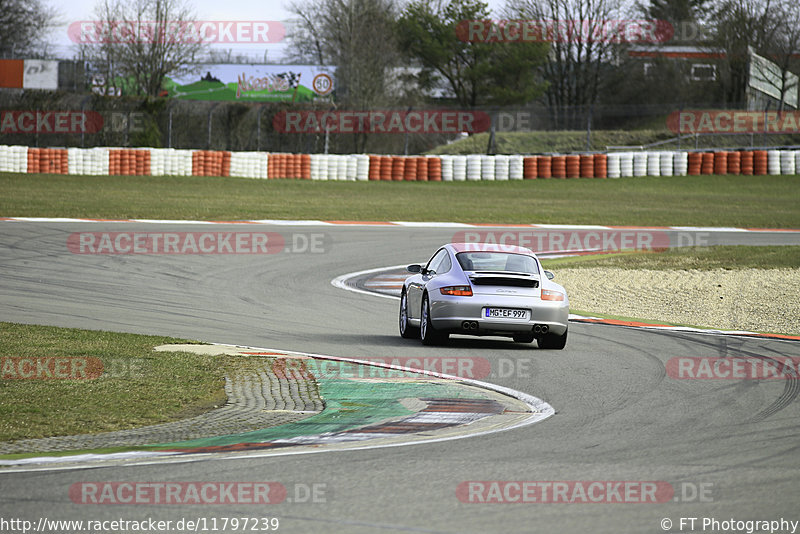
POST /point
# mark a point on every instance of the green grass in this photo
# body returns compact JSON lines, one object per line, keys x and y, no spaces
{"x":762,"y":201}
{"x":138,"y":386}
{"x":698,"y":258}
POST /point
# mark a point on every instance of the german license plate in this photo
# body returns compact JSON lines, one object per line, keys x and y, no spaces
{"x":506,"y":313}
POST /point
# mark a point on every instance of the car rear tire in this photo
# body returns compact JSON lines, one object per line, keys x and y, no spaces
{"x":524,"y":338}
{"x":553,"y":341}
{"x":428,"y":334}
{"x":406,"y":330}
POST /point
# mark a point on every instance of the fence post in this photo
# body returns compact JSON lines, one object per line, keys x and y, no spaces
{"x":258,"y":128}
{"x":210,"y":111}
{"x":589,"y":128}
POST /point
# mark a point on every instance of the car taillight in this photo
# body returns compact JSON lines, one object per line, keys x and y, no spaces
{"x":549,"y":294}
{"x":457,"y":291}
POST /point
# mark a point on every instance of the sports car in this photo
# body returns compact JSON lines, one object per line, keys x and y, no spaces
{"x":481,"y":289}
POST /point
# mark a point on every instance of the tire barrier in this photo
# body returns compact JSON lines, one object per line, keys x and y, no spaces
{"x":459,"y":168}
{"x":136,"y":162}
{"x":544,"y":165}
{"x":707,"y":163}
{"x":680,"y":164}
{"x":473,"y":168}
{"x":13,"y":159}
{"x":640,"y":163}
{"x":747,"y":163}
{"x":720,"y":162}
{"x":558,"y":166}
{"x":573,"y":166}
{"x":487,"y":168}
{"x":102,"y":161}
{"x":613,"y":165}
{"x":760,"y":162}
{"x":501,"y":167}
{"x":653,"y":164}
{"x":447,"y":168}
{"x":666,"y":163}
{"x":787,"y":162}
{"x":774,"y":162}
{"x":529,"y":168}
{"x":734,"y":163}
{"x":434,"y":169}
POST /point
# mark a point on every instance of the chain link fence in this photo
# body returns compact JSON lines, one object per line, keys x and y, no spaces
{"x":31,"y":118}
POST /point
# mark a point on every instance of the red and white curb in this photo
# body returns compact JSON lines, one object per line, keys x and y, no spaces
{"x":400,"y":224}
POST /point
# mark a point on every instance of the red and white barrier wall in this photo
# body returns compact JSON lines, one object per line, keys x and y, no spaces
{"x":173,"y":162}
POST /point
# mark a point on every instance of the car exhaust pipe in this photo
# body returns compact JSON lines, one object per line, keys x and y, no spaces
{"x":537,"y":329}
{"x":469,"y":325}
{"x":545,"y":328}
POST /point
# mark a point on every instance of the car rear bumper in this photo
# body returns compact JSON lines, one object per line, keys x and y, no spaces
{"x":449,"y":314}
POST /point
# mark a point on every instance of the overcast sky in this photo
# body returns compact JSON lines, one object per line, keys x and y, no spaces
{"x":206,"y":10}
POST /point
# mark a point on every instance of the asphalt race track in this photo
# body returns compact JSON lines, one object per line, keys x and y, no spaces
{"x":728,"y":448}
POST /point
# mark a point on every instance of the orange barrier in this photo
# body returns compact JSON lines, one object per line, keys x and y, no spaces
{"x":48,"y":160}
{"x":435,"y":169}
{"x":559,"y":166}
{"x":529,"y":170}
{"x":587,"y":166}
{"x":410,"y":173}
{"x":600,"y":166}
{"x":695,"y":163}
{"x":422,"y":168}
{"x":305,"y":166}
{"x":544,"y":166}
{"x":707,"y":166}
{"x":573,"y":166}
{"x":386,"y":168}
{"x":721,"y":162}
{"x":398,"y":168}
{"x":760,"y":163}
{"x":374,"y":168}
{"x":213,"y":163}
{"x":734,"y":162}
{"x":746,"y":163}
{"x":129,"y":162}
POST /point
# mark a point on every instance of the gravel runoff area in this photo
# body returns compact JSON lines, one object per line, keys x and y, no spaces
{"x":761,"y":300}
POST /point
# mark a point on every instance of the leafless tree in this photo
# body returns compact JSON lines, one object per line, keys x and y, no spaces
{"x":24,"y":27}
{"x":355,"y":36}
{"x":144,"y":41}
{"x":579,"y":49}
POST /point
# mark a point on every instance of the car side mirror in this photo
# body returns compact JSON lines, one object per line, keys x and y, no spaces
{"x":415,"y":268}
{"x":549,"y":275}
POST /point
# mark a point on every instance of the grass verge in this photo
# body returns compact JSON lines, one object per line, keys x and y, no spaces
{"x":762,"y":201}
{"x":698,"y":258}
{"x":137,"y":386}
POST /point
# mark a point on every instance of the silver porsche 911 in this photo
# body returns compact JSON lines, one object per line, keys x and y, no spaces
{"x":484,"y":290}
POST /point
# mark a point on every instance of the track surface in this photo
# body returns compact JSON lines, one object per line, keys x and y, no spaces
{"x":619,"y":416}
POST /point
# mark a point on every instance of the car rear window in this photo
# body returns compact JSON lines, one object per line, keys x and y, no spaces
{"x":497,"y":262}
